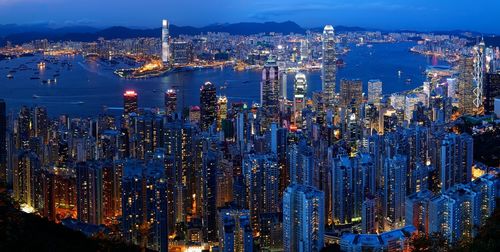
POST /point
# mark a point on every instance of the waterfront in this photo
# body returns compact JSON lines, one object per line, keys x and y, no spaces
{"x":89,"y":86}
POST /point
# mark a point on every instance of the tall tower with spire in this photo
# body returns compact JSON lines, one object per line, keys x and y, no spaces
{"x":329,"y":67}
{"x":479,"y":68}
{"x":165,"y":45}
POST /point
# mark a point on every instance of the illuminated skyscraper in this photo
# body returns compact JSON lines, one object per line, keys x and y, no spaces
{"x":304,"y":50}
{"x":221,"y":111}
{"x":329,"y":68}
{"x":89,"y":185}
{"x":235,"y":230}
{"x":394,"y":192}
{"x":208,"y":105}
{"x":165,"y":45}
{"x":303,"y":218}
{"x":26,"y":164}
{"x":144,"y":205}
{"x":130,"y":102}
{"x":24,"y":128}
{"x":466,"y":86}
{"x":262,"y":184}
{"x":269,"y":92}
{"x":374,"y":91}
{"x":455,"y":160}
{"x":479,"y":68}
{"x":300,"y":90}
{"x":351,"y":93}
{"x":170,"y":101}
{"x":3,"y":142}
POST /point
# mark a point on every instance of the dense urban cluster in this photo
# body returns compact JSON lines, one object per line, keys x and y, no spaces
{"x":348,"y":166}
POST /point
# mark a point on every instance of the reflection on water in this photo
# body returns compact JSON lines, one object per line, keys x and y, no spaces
{"x":84,"y":87}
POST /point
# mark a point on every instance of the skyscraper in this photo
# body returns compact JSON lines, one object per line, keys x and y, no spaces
{"x":89,"y":185}
{"x":208,"y":105}
{"x":144,"y":205}
{"x":165,"y":45}
{"x":3,"y":142}
{"x":351,"y":93}
{"x":269,"y":92}
{"x":329,"y":67}
{"x":374,"y":91}
{"x":394,"y":192}
{"x":262,"y":184}
{"x":479,"y":69}
{"x":491,"y":90}
{"x":221,"y":111}
{"x":170,"y":101}
{"x":466,"y":86}
{"x":455,"y":160}
{"x":235,"y":230}
{"x":303,"y":218}
{"x":130,"y":102}
{"x":300,"y":90}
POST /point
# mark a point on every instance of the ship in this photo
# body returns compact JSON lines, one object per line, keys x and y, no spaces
{"x":10,"y":76}
{"x":340,"y":63}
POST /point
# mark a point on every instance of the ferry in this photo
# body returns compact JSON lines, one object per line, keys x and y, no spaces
{"x":10,"y":76}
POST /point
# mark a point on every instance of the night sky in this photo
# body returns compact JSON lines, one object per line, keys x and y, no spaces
{"x":477,"y":15}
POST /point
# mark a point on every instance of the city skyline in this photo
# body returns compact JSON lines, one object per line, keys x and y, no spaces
{"x":422,"y":15}
{"x":252,"y":136}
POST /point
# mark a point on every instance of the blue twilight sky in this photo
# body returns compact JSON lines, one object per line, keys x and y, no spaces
{"x":478,"y":15}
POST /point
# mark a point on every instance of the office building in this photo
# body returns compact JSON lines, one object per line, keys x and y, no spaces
{"x":466,"y":86}
{"x":165,"y":43}
{"x":269,"y":92}
{"x":329,"y":64}
{"x":130,"y":104}
{"x":180,"y":52}
{"x":221,"y":111}
{"x":208,"y":105}
{"x":299,"y":96}
{"x":351,"y":93}
{"x":170,"y":102}
{"x":374,"y":91}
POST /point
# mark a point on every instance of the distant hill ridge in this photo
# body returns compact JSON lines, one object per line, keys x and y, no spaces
{"x":23,"y":33}
{"x":18,"y":34}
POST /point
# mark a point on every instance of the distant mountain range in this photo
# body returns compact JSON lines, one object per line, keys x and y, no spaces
{"x":18,"y":34}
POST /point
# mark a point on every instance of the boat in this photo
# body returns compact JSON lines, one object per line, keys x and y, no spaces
{"x":408,"y":80}
{"x":35,"y":96}
{"x":10,"y":76}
